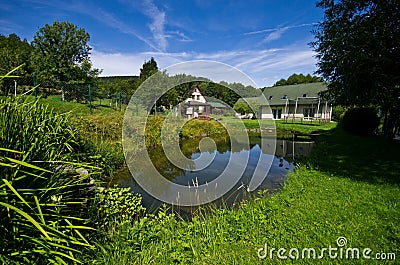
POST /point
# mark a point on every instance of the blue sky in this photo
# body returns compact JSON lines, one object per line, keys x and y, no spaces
{"x":267,"y":40}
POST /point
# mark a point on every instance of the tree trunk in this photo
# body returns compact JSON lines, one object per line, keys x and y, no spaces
{"x":391,"y":122}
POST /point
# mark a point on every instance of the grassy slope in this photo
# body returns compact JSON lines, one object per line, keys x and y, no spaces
{"x":104,"y":121}
{"x":102,"y":129}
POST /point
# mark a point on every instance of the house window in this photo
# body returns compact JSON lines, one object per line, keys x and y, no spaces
{"x":270,"y":97}
{"x":198,"y":97}
{"x":284,"y":97}
{"x":308,"y":112}
{"x":277,"y":113}
{"x":304,"y":95}
{"x":193,"y":97}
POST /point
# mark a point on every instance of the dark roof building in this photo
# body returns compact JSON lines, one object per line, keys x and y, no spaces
{"x":302,"y":100}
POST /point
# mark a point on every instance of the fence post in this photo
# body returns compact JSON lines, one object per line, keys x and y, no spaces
{"x":90,"y":99}
{"x":119,"y":99}
{"x":34,"y":85}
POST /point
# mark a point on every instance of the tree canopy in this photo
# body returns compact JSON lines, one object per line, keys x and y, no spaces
{"x":295,"y":79}
{"x":358,"y":52}
{"x":148,"y":69}
{"x":61,"y":53}
{"x":14,"y":52}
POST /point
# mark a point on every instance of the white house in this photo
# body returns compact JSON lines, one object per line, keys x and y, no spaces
{"x":303,"y":101}
{"x":197,"y":104}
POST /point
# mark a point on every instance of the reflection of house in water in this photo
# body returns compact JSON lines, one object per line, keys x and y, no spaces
{"x":292,"y":149}
{"x":287,"y":149}
{"x":198,"y":105}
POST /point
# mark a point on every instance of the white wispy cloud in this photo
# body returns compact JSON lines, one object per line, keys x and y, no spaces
{"x":102,"y":16}
{"x":8,"y":26}
{"x":277,"y":28}
{"x":113,"y":22}
{"x":181,"y":36}
{"x":157,"y":26}
{"x":275,"y":35}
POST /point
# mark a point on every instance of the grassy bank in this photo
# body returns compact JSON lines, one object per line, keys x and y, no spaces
{"x":101,"y":129}
{"x":348,"y":188}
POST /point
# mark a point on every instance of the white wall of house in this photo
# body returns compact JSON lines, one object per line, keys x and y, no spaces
{"x":196,"y":96}
{"x":324,"y":111}
{"x":265,"y":113}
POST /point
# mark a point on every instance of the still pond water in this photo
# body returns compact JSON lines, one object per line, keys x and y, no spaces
{"x":283,"y":161}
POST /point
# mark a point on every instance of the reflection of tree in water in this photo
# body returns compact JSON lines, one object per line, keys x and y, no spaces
{"x":241,"y":144}
{"x":164,"y":166}
{"x":188,"y":148}
{"x":191,"y":146}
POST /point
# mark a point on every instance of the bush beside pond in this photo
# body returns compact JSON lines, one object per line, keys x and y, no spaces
{"x":360,"y":121}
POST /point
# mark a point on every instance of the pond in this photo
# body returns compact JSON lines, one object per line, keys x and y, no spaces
{"x":282,"y":162}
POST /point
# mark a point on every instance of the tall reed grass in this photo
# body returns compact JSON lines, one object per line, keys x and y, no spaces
{"x":43,"y":187}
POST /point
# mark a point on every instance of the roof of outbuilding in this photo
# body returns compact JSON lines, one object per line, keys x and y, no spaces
{"x":196,"y":103}
{"x":294,"y":91}
{"x":217,"y":105}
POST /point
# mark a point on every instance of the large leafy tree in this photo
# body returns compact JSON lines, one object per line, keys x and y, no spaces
{"x":358,"y":48}
{"x":148,"y":93}
{"x":61,"y":53}
{"x":14,"y":52}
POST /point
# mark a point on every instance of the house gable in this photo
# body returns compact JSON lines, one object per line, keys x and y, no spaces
{"x":196,"y":95}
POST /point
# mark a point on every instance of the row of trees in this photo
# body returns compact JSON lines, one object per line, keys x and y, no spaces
{"x":295,"y":79}
{"x":13,"y":53}
{"x":223,"y":91}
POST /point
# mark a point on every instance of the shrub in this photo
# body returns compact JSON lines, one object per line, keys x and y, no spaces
{"x":113,"y":207}
{"x":201,"y":128}
{"x":338,"y":112}
{"x":360,"y":121}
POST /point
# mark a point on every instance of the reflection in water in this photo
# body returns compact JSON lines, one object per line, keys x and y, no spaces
{"x":283,"y":161}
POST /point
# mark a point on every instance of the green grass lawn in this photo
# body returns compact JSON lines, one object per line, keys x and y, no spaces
{"x":281,"y":125}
